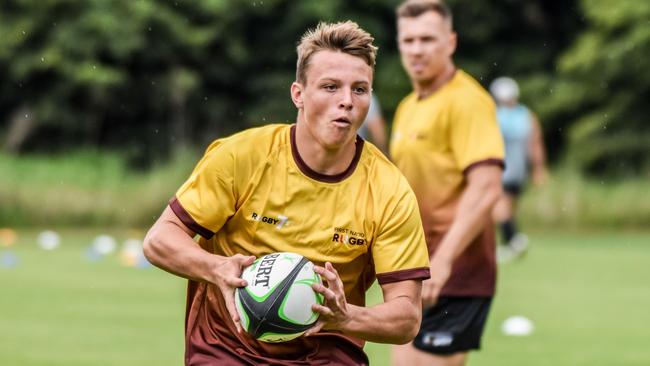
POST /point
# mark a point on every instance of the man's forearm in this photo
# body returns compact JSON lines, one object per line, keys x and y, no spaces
{"x":472,"y":215}
{"x":396,"y":321}
{"x":169,"y":247}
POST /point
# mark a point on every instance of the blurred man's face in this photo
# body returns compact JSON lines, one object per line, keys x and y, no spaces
{"x":335,"y":98}
{"x":426,"y":44}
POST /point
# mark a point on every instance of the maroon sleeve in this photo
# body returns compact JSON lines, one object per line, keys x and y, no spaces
{"x":185,"y":217}
{"x":421,"y":273}
{"x":492,"y":161}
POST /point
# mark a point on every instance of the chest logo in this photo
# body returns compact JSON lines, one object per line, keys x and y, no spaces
{"x":278,"y":221}
{"x":350,"y":237}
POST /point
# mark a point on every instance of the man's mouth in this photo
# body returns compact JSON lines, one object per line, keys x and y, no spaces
{"x":418,"y":66}
{"x":342,"y":120}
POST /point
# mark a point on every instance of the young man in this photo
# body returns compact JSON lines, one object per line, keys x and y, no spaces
{"x":447,"y":143}
{"x":323,"y":187}
{"x":525,"y":154}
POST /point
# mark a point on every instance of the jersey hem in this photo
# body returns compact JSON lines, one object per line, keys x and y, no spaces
{"x":476,"y":293}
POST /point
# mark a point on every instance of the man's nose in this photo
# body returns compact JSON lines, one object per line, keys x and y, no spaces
{"x":346,"y":100}
{"x":416,"y":48}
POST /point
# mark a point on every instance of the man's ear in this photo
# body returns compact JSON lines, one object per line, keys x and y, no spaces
{"x":296,"y":94}
{"x":453,"y":43}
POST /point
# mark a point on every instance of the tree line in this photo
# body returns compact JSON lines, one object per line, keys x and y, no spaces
{"x":149,"y":77}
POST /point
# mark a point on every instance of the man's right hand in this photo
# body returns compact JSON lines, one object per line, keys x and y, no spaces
{"x":228,"y":278}
{"x":440,"y":272}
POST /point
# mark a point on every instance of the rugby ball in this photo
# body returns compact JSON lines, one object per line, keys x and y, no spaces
{"x":276,"y":304}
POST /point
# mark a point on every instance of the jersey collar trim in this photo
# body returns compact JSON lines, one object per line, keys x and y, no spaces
{"x":306,"y":170}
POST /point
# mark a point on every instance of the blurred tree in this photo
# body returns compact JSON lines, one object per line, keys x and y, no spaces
{"x":603,"y":87}
{"x":98,"y":72}
{"x":149,"y":76}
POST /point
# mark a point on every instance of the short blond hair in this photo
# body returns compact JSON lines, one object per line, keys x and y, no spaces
{"x":415,"y":8}
{"x":346,"y":37}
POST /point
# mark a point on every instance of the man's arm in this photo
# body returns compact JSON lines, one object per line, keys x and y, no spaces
{"x":169,"y":245}
{"x":396,"y":320}
{"x":537,"y":152}
{"x":481,"y":193}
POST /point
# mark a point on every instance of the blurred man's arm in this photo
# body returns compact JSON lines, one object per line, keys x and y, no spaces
{"x":481,"y":193}
{"x":537,"y":152}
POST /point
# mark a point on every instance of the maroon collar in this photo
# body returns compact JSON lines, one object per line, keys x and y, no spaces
{"x":305,"y":169}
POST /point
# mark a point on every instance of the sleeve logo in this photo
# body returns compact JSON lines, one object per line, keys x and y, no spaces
{"x":278,"y":222}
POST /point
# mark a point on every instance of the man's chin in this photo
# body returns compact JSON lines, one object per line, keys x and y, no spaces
{"x":422,"y":78}
{"x":340,"y":141}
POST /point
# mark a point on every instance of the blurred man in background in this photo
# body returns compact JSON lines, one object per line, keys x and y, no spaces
{"x":525,"y":154}
{"x":447,"y":143}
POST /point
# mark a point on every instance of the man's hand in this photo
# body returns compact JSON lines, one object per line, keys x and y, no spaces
{"x":334,"y":312}
{"x":228,"y":278}
{"x":539,"y":176}
{"x":440,"y":272}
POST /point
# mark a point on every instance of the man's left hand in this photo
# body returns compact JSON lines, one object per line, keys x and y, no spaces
{"x":334,"y":313}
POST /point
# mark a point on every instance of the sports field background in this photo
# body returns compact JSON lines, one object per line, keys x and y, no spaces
{"x":586,"y":292}
{"x":105,"y":107}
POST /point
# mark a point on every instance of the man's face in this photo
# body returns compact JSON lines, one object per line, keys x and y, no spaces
{"x":335,"y":97}
{"x":426,"y":44}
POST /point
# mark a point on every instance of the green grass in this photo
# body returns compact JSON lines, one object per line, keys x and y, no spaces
{"x":587,"y":294}
{"x":86,"y":188}
{"x":58,"y":308}
{"x":571,"y":201}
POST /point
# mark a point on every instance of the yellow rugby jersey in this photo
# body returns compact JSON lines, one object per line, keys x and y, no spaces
{"x":435,"y":142}
{"x":252,"y":193}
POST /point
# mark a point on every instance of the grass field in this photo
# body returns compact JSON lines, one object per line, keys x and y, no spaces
{"x":587,"y":294}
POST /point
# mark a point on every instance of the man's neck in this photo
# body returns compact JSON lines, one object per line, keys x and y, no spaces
{"x":429,"y":87}
{"x":320,"y":159}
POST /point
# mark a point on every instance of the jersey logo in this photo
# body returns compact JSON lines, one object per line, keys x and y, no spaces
{"x":278,"y":222}
{"x":349,"y":237}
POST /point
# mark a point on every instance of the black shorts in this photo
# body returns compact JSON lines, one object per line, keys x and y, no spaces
{"x":454,"y":324}
{"x":513,"y":189}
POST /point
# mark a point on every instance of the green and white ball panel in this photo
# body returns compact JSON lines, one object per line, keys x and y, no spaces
{"x":276,"y":304}
{"x":296,"y":305}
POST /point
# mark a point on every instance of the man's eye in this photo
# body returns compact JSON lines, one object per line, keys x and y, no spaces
{"x":329,"y":87}
{"x":360,"y":90}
